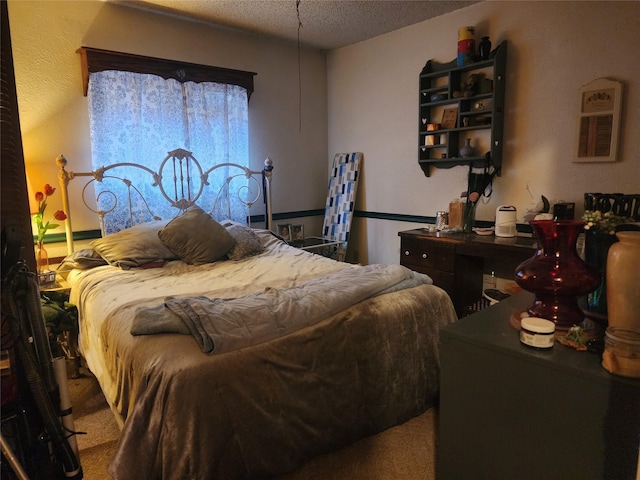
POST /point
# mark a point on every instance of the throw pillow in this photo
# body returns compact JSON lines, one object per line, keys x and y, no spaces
{"x":196,"y":238}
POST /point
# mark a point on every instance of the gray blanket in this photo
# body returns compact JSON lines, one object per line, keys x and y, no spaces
{"x":221,"y":325}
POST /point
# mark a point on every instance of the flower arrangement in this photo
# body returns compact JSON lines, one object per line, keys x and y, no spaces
{"x":606,"y":222}
{"x":42,"y":259}
{"x":38,"y":218}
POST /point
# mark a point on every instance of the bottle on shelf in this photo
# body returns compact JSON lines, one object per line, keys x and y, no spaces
{"x":484,"y":48}
{"x":467,"y":149}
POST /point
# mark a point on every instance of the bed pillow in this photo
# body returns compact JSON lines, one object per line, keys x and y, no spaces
{"x":82,"y":260}
{"x":196,"y":237}
{"x":247,"y":242}
{"x":134,"y":247}
{"x":226,"y":223}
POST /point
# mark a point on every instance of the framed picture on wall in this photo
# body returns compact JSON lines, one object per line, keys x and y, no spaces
{"x":284,"y":230}
{"x":449,"y":118}
{"x":598,"y":123}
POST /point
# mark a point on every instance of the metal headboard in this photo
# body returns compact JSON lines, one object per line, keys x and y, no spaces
{"x":180,"y":179}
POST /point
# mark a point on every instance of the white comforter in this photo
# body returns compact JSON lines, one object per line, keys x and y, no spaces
{"x":223,"y":279}
{"x":265,"y":409}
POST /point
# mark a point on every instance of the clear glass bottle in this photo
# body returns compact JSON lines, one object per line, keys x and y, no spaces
{"x":42,"y":259}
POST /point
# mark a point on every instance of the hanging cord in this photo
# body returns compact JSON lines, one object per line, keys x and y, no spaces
{"x":299,"y":70}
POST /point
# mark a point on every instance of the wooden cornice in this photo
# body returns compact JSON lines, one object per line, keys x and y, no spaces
{"x":97,"y":60}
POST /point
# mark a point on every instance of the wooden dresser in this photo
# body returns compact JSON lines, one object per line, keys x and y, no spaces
{"x":456,"y":261}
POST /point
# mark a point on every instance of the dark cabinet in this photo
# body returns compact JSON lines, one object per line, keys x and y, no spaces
{"x":476,"y":116}
{"x":511,"y":412}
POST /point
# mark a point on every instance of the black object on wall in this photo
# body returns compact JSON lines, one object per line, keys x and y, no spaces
{"x":16,"y":222}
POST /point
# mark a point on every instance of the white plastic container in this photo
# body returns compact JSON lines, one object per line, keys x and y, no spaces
{"x":537,"y":332}
{"x":506,"y":221}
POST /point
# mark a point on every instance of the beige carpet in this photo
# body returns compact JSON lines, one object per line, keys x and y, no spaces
{"x":93,"y":416}
{"x":405,"y":452}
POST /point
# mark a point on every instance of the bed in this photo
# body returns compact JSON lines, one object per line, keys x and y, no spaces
{"x":249,"y":363}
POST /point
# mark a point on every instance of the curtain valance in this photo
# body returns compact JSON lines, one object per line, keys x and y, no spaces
{"x":97,"y":60}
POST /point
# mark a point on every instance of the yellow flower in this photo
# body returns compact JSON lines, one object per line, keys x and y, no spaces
{"x":607,"y":223}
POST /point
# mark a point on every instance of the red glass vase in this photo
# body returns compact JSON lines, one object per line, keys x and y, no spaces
{"x":556,"y":274}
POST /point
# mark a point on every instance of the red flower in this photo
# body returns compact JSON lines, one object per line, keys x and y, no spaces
{"x":39,"y":217}
{"x":60,"y":215}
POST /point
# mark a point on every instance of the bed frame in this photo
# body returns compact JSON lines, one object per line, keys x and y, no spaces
{"x":298,"y":386}
{"x":187,"y":180}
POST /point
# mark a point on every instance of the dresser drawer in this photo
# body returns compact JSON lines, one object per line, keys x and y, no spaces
{"x":444,"y":280}
{"x":424,"y":253}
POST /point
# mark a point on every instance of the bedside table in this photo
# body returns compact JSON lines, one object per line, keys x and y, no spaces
{"x":59,"y":285}
{"x":321,"y":246}
{"x":58,"y":294}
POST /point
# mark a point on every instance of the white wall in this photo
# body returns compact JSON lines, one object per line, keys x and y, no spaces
{"x":359,"y":98}
{"x":554,"y":48}
{"x":53,"y":112}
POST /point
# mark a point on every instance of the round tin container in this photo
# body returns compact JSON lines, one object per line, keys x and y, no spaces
{"x":467,"y":33}
{"x":537,"y":332}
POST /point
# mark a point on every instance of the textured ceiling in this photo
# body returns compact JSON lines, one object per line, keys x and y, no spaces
{"x":326,"y":24}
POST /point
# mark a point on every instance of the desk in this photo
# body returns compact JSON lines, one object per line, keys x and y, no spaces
{"x":321,"y":246}
{"x":511,"y":412}
{"x":455,"y":261}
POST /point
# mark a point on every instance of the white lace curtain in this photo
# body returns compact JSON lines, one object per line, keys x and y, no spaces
{"x":139,"y":118}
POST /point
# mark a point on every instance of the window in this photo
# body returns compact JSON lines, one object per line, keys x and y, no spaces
{"x":139,"y":117}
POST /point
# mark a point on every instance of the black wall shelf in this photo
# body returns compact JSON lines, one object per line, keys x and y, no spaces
{"x":483,"y":110}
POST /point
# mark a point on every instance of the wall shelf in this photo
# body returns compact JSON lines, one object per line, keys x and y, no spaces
{"x":482,"y":113}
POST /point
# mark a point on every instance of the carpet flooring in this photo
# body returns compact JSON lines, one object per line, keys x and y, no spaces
{"x":94,"y":418}
{"x":405,"y":452}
